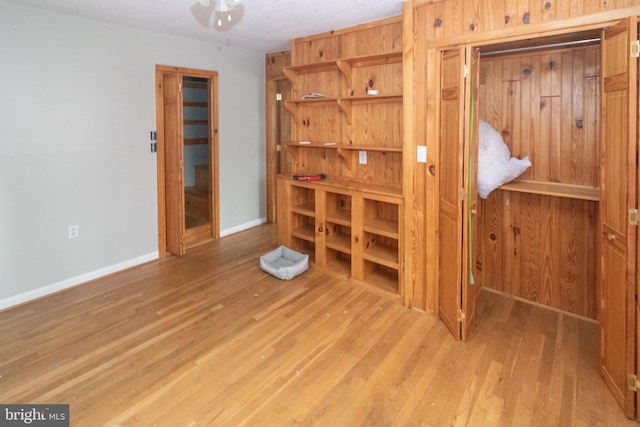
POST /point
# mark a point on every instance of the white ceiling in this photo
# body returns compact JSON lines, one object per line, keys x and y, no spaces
{"x":262,"y":25}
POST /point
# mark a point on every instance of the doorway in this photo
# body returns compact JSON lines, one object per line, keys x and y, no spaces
{"x":187,"y":162}
{"x":566,"y":229}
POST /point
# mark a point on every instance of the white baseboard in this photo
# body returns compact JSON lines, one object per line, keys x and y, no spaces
{"x":74,"y":281}
{"x":242,"y":227}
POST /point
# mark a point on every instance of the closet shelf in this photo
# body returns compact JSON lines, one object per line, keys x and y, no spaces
{"x":571,"y":191}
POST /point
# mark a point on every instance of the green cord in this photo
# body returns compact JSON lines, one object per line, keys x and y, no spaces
{"x":470,"y":183}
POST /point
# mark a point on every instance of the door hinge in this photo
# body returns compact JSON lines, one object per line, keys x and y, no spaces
{"x":180,"y":87}
{"x":632,"y":382}
{"x":635,"y":49}
{"x":461,"y":315}
{"x":278,"y":148}
{"x":633,"y":217}
{"x":278,"y":97}
{"x":465,"y":71}
{"x":462,"y":194}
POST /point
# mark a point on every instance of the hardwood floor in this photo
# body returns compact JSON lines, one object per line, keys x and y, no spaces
{"x":209,"y":339}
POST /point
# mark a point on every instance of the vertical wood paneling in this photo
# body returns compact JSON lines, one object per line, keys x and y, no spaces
{"x":543,"y":248}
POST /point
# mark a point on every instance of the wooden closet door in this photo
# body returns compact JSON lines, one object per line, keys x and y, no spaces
{"x":470,"y":284}
{"x":618,"y":196}
{"x":174,"y":164}
{"x":456,"y":294}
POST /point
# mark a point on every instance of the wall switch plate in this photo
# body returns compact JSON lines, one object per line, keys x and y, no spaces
{"x":362,"y":157}
{"x":422,"y":154}
{"x":74,"y":231}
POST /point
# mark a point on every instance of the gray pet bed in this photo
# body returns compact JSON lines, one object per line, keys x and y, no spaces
{"x":284,"y":263}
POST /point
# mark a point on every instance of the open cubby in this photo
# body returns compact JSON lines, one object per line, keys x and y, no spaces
{"x":338,"y":262}
{"x":381,"y":250}
{"x":381,"y":218}
{"x":381,"y":276}
{"x":338,"y":237}
{"x":303,"y":246}
{"x":303,"y":227}
{"x":303,"y":201}
{"x":338,"y":208}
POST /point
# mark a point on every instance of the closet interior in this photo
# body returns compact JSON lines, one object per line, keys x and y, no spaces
{"x":538,"y":235}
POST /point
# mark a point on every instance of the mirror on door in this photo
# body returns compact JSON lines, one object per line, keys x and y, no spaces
{"x":197,"y":179}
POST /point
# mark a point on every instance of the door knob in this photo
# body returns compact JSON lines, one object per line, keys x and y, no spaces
{"x":611,"y":237}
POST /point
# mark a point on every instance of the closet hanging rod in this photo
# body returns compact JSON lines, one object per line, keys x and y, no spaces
{"x":543,"y":46}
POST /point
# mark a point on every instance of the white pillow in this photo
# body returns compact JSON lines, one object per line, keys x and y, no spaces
{"x":500,"y":173}
{"x":495,"y":166}
{"x":491,"y":146}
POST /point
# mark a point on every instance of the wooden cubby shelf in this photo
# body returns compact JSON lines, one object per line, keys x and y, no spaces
{"x":382,"y":255}
{"x":305,"y":232}
{"x":571,"y":191}
{"x":358,"y":204}
{"x":383,"y":227}
{"x":340,"y":242}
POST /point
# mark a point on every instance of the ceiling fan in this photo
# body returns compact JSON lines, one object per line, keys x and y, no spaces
{"x":221,"y":7}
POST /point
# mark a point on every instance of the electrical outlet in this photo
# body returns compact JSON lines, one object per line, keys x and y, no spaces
{"x":362,"y":157}
{"x":73,"y":231}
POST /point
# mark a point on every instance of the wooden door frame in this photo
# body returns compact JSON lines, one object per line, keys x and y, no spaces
{"x":161,"y":150}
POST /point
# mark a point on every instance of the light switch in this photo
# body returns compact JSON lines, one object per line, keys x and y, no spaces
{"x":422,"y":154}
{"x":362,"y":158}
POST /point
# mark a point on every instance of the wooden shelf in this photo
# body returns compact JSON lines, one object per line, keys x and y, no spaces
{"x":346,"y":65}
{"x":196,"y":141}
{"x":340,"y":242}
{"x":382,"y":255}
{"x":382,"y":227}
{"x":305,"y":232}
{"x":340,"y":217}
{"x":348,"y":187}
{"x":317,"y":67}
{"x":308,"y":209}
{"x":571,"y":191}
{"x":346,"y":103}
{"x":195,"y":104}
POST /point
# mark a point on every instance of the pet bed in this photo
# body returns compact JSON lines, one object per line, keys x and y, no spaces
{"x":284,"y":263}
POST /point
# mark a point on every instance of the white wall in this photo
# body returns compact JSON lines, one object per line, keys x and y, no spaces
{"x":77,"y":102}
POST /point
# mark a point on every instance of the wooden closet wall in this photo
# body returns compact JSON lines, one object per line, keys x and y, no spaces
{"x":544,"y":248}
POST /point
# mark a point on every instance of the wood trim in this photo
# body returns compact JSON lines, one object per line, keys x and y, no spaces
{"x":161,"y":151}
{"x":542,"y":29}
{"x":365,"y":26}
{"x":160,"y":172}
{"x":214,"y":156}
{"x":407,"y":277}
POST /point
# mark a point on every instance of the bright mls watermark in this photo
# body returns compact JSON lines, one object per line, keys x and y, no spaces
{"x":34,"y":415}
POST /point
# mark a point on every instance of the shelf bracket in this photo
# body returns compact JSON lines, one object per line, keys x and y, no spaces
{"x":347,"y":156}
{"x":346,"y":70}
{"x":293,"y":109}
{"x":345,"y":106}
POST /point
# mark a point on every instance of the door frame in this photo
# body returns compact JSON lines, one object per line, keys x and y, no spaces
{"x":161,"y":151}
{"x":634,"y":312}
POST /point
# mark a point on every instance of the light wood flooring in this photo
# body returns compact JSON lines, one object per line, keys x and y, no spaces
{"x":209,"y":339}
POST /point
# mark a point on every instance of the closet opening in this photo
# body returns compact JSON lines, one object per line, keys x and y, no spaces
{"x":538,"y":235}
{"x":563,"y":234}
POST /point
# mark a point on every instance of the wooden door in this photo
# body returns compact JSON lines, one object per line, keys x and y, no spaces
{"x":618,"y":196}
{"x":457,"y":182}
{"x":173,"y":163}
{"x":470,"y":284}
